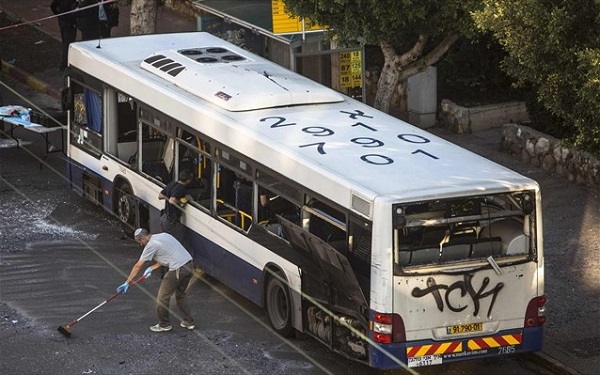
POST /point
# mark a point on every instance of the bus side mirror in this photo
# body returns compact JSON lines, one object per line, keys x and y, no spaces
{"x":399,"y":218}
{"x":66,"y":98}
{"x":527,"y":204}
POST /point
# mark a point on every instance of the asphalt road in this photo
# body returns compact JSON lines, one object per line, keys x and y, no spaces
{"x":60,"y":256}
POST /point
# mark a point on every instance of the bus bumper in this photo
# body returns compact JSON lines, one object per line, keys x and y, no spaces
{"x":428,"y":352}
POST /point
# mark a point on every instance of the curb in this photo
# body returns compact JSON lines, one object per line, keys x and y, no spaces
{"x":549,"y":362}
{"x":30,"y":80}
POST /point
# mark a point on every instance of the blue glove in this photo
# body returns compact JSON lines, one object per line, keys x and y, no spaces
{"x":123,"y":287}
{"x":148,"y":272}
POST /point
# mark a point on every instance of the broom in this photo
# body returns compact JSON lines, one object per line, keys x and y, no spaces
{"x":66,"y":329}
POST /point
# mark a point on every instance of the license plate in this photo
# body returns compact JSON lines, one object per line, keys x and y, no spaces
{"x":464,"y":328}
{"x":426,"y":360}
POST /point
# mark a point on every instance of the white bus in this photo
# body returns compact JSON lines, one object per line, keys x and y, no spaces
{"x":387,"y":244}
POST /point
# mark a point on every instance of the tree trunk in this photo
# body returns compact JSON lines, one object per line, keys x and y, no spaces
{"x":143,"y":17}
{"x":397,"y":69}
{"x":388,"y":80}
{"x":400,"y":99}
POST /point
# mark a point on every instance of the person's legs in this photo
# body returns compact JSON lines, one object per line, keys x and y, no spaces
{"x":185,"y":275}
{"x":168,"y":286}
{"x":68,"y":34}
{"x":104,"y":30}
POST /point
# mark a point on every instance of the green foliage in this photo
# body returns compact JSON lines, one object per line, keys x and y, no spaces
{"x":470,"y":74}
{"x":553,"y":46}
{"x":398,"y":22}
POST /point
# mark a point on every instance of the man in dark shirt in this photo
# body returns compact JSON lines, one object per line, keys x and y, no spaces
{"x":67,"y":24}
{"x":95,"y":22}
{"x":175,"y":196}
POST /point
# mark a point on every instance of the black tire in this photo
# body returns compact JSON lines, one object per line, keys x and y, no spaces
{"x":126,"y":208}
{"x":279,"y":306}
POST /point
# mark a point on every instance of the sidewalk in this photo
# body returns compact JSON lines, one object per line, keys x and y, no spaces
{"x":559,"y":359}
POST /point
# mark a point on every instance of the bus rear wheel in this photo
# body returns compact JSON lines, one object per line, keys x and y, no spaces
{"x":279,"y":306}
{"x":126,"y":208}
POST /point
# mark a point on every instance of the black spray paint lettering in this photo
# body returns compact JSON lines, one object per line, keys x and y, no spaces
{"x":366,"y":142}
{"x":357,"y":113}
{"x":465,"y":287}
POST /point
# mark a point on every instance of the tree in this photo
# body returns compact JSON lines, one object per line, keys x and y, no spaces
{"x":423,"y":30}
{"x":554,"y":47}
{"x":142,"y":16}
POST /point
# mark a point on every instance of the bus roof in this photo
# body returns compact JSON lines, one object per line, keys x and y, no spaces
{"x":347,"y":151}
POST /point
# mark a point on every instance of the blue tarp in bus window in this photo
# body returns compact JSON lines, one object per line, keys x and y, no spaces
{"x":93,"y":110}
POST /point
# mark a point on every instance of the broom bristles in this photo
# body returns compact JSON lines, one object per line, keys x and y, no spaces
{"x":65,"y":330}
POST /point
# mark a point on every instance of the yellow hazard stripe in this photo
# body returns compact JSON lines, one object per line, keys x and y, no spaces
{"x":435,"y":349}
{"x":512,"y":340}
{"x":472,"y":345}
{"x":493,"y":342}
{"x":423,"y":350}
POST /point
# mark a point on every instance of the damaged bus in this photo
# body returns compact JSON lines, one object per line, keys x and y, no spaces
{"x":387,"y":244}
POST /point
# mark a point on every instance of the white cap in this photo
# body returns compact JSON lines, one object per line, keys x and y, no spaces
{"x":140,"y":232}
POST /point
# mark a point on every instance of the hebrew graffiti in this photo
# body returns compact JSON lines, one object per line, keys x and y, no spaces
{"x":463,"y":287}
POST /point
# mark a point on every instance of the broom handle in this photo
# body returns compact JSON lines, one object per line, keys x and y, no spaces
{"x":107,"y":300}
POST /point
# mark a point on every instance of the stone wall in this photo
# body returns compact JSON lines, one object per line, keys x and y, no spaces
{"x":547,"y":152}
{"x":471,"y":119}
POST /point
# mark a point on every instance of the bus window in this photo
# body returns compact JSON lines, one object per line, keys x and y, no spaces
{"x":122,"y":125}
{"x":193,"y":157}
{"x":234,"y":198}
{"x":284,"y":199}
{"x":271,"y":206}
{"x":126,"y":118}
{"x":86,"y":128}
{"x":155,"y":146}
{"x":472,"y":228}
{"x":326,"y":223}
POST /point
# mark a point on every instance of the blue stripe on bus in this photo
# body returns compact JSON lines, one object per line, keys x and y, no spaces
{"x":532,"y":341}
{"x":228,"y":268}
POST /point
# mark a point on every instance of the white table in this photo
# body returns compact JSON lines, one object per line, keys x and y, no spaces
{"x":16,"y":122}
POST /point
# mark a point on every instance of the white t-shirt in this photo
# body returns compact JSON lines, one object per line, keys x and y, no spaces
{"x":166,"y":250}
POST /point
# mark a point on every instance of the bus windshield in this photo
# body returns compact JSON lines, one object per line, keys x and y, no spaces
{"x":455,"y":230}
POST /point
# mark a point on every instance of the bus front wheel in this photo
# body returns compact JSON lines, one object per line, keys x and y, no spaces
{"x":126,"y":208}
{"x":279,"y":306}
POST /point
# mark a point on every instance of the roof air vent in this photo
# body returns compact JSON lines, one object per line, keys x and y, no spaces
{"x":190,"y":52}
{"x":211,"y":55}
{"x":162,"y":62}
{"x":154,"y":58}
{"x":216,"y":50}
{"x":233,"y":58}
{"x":207,"y":60}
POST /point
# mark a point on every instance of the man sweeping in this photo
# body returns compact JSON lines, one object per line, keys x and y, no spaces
{"x":166,"y":251}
